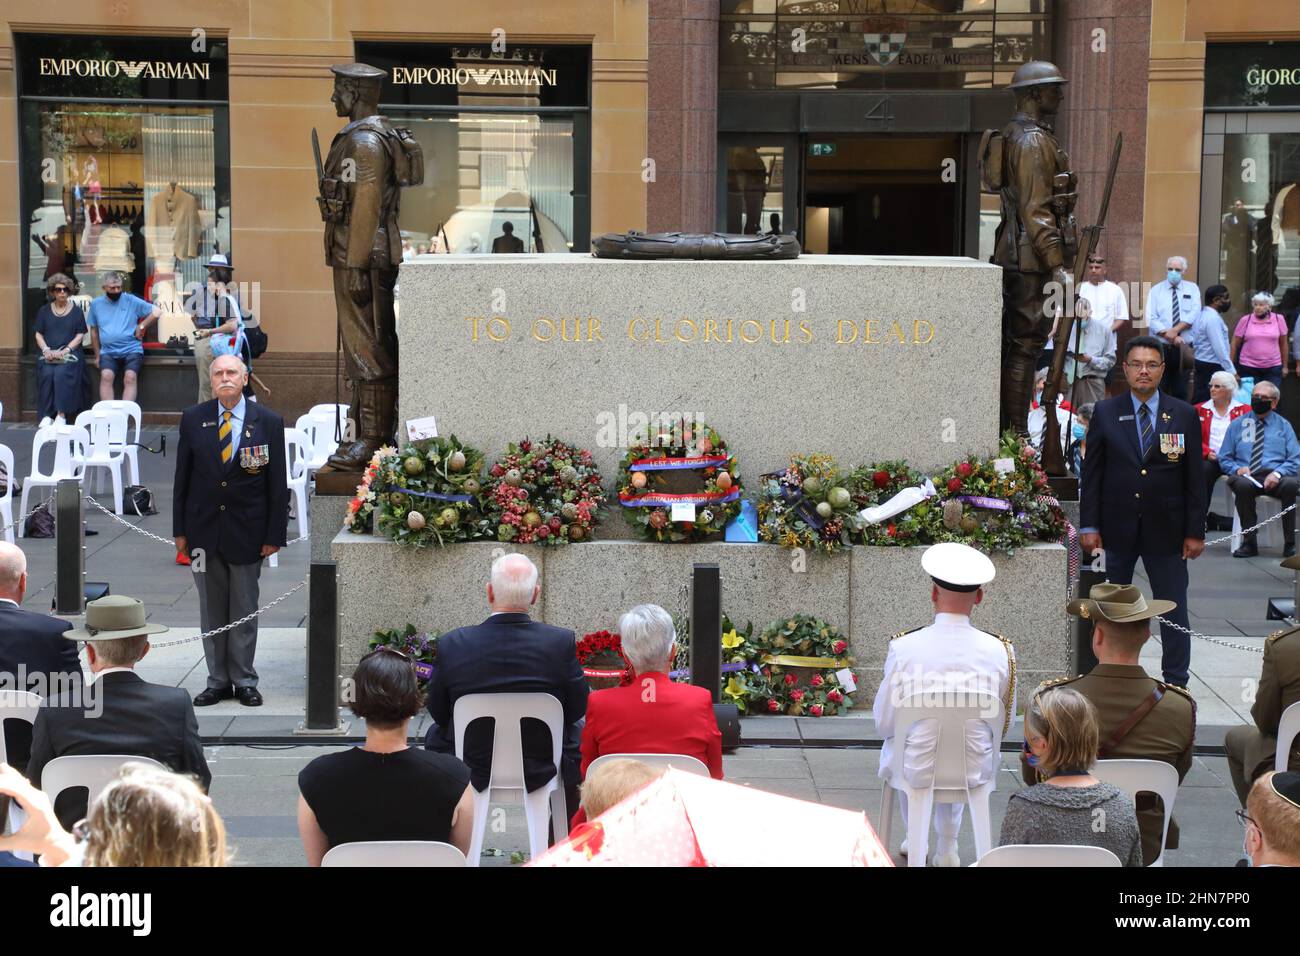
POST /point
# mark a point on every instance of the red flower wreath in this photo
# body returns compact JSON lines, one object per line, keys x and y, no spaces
{"x":603,"y":644}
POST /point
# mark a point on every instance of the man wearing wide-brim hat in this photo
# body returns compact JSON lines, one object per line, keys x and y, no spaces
{"x":952,"y":657}
{"x":120,"y":712}
{"x":1252,"y":749}
{"x":1138,"y":716}
{"x":215,"y":311}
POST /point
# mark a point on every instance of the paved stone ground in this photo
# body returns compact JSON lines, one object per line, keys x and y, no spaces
{"x":1228,"y":598}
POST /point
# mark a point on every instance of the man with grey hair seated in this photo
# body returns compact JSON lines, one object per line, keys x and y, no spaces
{"x":510,"y":653}
{"x":651,"y":715}
{"x":1261,"y":456}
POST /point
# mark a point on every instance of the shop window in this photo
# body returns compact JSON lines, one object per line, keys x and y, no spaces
{"x":1259,"y":226}
{"x":493,"y":183}
{"x":756,"y":190}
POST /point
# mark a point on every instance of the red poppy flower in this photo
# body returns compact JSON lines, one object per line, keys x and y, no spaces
{"x":880,"y":479}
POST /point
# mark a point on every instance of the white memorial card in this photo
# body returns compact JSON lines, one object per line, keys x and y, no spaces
{"x":419,"y":428}
{"x":846,"y":680}
{"x":1005,"y":466}
{"x":683,"y":511}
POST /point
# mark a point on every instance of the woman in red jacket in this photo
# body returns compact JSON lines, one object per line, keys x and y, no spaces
{"x":1216,"y":414}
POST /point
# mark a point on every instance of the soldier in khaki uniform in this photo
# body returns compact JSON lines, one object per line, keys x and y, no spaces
{"x":1139,"y":717}
{"x":1252,"y":750}
{"x":1036,"y":241}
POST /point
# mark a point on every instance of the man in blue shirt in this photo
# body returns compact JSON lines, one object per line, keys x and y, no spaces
{"x":118,"y":322}
{"x":1261,"y":456}
{"x":1210,"y":342}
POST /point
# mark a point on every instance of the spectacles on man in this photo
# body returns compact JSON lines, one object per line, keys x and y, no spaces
{"x":1243,"y":819}
{"x":1144,"y":366}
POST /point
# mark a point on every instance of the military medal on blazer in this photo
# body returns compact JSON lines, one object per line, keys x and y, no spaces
{"x":1172,"y":445}
{"x":253,"y":458}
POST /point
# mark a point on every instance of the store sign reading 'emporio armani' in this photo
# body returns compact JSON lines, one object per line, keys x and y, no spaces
{"x":132,"y":69}
{"x":474,"y":76}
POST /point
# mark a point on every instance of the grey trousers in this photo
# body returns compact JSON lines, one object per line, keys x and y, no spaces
{"x":228,"y":592}
{"x":203,"y":365}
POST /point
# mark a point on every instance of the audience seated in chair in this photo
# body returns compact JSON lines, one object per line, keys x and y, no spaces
{"x":147,"y":817}
{"x":1071,"y":807}
{"x":384,"y":790}
{"x":510,"y":653}
{"x":612,"y":783}
{"x":1272,"y":820}
{"x":120,"y":712}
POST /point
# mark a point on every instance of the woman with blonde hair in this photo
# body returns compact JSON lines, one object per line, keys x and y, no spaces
{"x":146,"y":816}
{"x":1071,"y":806}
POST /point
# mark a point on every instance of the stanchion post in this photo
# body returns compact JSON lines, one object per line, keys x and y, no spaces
{"x":322,"y":712}
{"x":1091,"y":571}
{"x":69,"y":548}
{"x":706,"y":648}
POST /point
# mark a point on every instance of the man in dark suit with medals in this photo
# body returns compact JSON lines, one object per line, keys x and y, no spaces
{"x":231,"y":510}
{"x":1143,"y":494}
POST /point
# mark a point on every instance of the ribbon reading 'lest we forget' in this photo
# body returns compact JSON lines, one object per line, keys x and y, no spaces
{"x":980,"y":501}
{"x":670,"y":464}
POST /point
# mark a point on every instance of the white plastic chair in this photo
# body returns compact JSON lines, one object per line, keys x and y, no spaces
{"x":394,"y":853}
{"x":71,"y":443}
{"x":319,"y":426}
{"x":297,"y":455}
{"x":16,"y":705}
{"x":547,"y":801}
{"x":107,"y":440}
{"x":328,"y":410}
{"x":7,"y":499}
{"x":1269,"y":536}
{"x":1046,"y":854}
{"x":949,"y":784}
{"x":1143,"y":776}
{"x":130,"y":447}
{"x":664,"y":761}
{"x":1287,"y":730}
{"x":92,"y":771}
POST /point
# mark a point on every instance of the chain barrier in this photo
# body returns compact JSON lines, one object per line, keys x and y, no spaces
{"x":170,"y":542}
{"x":234,"y":624}
{"x":19,"y":522}
{"x":1230,"y":645}
{"x":1253,"y":528}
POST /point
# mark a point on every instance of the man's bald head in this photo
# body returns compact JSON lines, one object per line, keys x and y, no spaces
{"x":513,"y":586}
{"x":13,"y":572}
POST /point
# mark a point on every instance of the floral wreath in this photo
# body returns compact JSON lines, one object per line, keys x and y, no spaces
{"x":798,"y":662}
{"x":420,"y":646}
{"x":426,"y":494}
{"x":601,"y":656}
{"x":545,"y":492}
{"x":997,"y":504}
{"x":651,"y":468}
{"x":806,"y":505}
{"x":875,"y":484}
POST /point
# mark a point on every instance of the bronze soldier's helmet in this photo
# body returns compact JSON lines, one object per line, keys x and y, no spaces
{"x":1036,"y":73}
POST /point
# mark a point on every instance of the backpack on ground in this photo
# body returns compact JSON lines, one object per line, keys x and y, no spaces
{"x":40,"y":523}
{"x":138,"y":500}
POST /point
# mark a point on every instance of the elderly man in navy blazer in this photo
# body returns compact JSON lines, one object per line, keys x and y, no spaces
{"x":1143,"y":494}
{"x":230,"y":510}
{"x":511,"y":653}
{"x":33,"y":654}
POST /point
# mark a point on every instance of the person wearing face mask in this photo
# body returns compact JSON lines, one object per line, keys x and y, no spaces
{"x":1171,"y":309}
{"x":1259,"y":343}
{"x":1079,"y":437}
{"x":1272,"y":821}
{"x":1261,"y":456}
{"x":1216,"y":415}
{"x":118,"y":324}
{"x":1210,"y":342}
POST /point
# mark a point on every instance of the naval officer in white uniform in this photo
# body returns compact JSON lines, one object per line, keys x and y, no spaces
{"x":949,"y":657}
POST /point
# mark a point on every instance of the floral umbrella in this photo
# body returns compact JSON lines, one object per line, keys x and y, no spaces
{"x":682,"y":819}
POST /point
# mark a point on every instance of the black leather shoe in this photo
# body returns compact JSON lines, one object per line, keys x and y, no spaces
{"x":213,"y":696}
{"x":1246,"y":551}
{"x":248,"y":696}
{"x":1288,"y":551}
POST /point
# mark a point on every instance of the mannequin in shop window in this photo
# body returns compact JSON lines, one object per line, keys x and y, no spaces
{"x":94,"y":190}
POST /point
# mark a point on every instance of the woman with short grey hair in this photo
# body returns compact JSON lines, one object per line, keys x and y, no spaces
{"x":648,"y":635}
{"x":650,"y":713}
{"x":1216,"y":414}
{"x":60,"y":329}
{"x":1259,"y":343}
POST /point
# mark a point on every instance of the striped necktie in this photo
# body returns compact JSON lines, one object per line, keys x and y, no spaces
{"x":1257,"y":449}
{"x":1174,"y":315}
{"x":223,"y":436}
{"x":1144,"y":430}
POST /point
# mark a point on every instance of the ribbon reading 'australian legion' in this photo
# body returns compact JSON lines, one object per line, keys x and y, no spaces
{"x":437,"y":496}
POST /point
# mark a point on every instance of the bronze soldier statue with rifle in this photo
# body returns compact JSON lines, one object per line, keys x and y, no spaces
{"x":361,"y":179}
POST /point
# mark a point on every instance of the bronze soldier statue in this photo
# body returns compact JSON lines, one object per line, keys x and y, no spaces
{"x":1036,"y":242}
{"x":360,"y":188}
